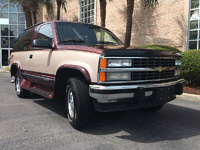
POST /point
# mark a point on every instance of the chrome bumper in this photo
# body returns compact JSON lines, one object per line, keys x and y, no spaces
{"x":112,"y":94}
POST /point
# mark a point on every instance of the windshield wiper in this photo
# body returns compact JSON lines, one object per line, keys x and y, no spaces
{"x":72,"y":41}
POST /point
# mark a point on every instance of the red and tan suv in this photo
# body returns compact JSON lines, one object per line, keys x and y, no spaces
{"x":94,"y":70}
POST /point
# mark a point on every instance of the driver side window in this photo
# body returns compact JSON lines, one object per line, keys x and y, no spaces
{"x":45,"y":32}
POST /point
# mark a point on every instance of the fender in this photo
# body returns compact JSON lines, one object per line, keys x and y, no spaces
{"x":78,"y":68}
{"x":24,"y":83}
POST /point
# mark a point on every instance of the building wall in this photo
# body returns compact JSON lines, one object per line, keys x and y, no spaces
{"x":186,"y":25}
{"x":166,"y":24}
{"x":163,"y":25}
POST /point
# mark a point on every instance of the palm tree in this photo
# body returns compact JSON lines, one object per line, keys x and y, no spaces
{"x":60,"y":3}
{"x":30,"y":8}
{"x":130,"y":8}
{"x":34,"y":6}
{"x":103,"y":4}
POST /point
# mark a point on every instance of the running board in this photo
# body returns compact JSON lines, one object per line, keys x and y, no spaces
{"x":41,"y":92}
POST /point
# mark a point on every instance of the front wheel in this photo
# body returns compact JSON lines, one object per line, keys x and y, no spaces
{"x":78,"y":103}
{"x":22,"y":93}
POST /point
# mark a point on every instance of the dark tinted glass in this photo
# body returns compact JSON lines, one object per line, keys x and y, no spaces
{"x":23,"y":41}
{"x":84,"y":34}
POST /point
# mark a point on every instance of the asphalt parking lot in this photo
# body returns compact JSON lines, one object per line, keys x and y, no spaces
{"x":39,"y":123}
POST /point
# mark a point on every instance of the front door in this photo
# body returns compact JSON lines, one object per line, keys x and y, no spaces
{"x":41,"y":60}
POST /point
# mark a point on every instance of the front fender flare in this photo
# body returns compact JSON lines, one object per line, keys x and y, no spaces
{"x":83,"y":70}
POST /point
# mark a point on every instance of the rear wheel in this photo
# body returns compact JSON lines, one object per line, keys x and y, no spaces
{"x":153,"y":109}
{"x":22,"y":93}
{"x":78,"y":103}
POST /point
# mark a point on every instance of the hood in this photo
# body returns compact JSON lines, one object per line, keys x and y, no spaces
{"x":138,"y":52}
{"x":120,"y":51}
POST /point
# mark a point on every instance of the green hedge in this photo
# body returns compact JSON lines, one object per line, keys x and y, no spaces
{"x":190,"y":67}
{"x":160,"y":47}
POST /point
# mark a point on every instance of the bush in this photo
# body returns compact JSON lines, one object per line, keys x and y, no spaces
{"x":160,"y":47}
{"x":190,"y":67}
{"x":7,"y":68}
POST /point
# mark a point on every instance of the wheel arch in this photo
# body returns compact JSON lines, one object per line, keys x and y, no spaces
{"x":65,"y":72}
{"x":14,"y":68}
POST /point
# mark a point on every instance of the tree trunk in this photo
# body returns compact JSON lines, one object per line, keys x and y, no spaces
{"x":34,"y":17}
{"x":103,"y":12}
{"x":58,"y":9}
{"x":28,"y":17}
{"x":130,"y":6}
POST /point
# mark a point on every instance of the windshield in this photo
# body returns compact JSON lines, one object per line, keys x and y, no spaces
{"x":84,"y":34}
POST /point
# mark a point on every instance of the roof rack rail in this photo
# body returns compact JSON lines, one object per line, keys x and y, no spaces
{"x":34,"y":25}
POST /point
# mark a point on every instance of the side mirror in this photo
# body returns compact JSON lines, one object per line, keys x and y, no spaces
{"x":42,"y":43}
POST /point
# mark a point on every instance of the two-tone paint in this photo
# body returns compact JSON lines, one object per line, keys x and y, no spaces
{"x":41,"y":70}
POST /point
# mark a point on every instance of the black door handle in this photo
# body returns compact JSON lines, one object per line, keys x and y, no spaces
{"x":31,"y":56}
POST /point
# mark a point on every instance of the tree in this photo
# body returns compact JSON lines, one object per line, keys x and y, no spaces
{"x":103,"y":4}
{"x":30,"y":8}
{"x":60,"y":3}
{"x":130,"y":8}
{"x":34,"y":6}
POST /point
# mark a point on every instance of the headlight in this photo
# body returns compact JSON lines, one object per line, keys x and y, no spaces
{"x":119,"y":62}
{"x":177,"y":62}
{"x":177,"y":72}
{"x":118,"y":76}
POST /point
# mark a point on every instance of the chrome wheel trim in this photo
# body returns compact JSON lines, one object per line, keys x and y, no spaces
{"x":70,"y":101}
{"x":17,"y":85}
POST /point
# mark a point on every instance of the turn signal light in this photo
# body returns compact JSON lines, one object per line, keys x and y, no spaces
{"x":103,"y":63}
{"x":102,"y":76}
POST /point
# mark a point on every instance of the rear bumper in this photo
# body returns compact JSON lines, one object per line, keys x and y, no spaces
{"x":143,"y":95}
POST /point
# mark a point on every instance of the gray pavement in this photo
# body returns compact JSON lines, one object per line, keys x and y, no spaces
{"x":39,"y":123}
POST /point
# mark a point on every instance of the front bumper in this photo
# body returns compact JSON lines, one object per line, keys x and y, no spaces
{"x":154,"y":94}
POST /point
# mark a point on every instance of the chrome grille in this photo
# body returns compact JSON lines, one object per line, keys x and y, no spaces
{"x":152,"y":62}
{"x":152,"y":75}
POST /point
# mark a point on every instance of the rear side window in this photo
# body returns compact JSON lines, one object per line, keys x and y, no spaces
{"x":45,"y":32}
{"x":22,"y":44}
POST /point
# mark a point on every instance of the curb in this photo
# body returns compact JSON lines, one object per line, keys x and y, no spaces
{"x":189,"y":97}
{"x":3,"y":71}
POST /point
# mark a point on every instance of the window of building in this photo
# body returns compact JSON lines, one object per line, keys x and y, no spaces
{"x":194,"y":25}
{"x":11,"y":29}
{"x":87,"y":11}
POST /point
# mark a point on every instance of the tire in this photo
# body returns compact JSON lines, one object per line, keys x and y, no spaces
{"x":22,"y":93}
{"x":153,"y":109}
{"x":78,"y":103}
